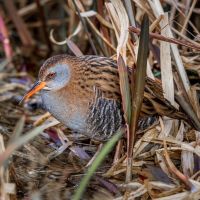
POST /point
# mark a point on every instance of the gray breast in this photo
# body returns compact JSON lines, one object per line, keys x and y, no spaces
{"x":70,"y":115}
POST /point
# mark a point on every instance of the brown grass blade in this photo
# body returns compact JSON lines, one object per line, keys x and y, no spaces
{"x":138,"y":91}
{"x":174,"y":170}
{"x":125,"y":89}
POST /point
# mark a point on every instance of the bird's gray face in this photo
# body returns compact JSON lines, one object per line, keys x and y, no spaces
{"x":55,"y":77}
{"x":51,"y":78}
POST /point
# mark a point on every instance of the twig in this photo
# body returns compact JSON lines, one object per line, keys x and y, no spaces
{"x":166,"y":39}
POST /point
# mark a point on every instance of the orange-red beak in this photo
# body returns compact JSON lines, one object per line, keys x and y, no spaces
{"x":36,"y":87}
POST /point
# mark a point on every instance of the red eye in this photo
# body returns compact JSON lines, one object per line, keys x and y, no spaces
{"x":50,"y":76}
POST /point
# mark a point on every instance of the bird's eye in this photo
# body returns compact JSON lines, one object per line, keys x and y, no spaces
{"x":50,"y":76}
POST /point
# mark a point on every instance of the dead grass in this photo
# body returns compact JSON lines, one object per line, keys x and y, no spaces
{"x":165,"y":157}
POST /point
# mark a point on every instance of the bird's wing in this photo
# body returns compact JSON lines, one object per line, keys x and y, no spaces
{"x":103,"y":75}
{"x":107,"y":81}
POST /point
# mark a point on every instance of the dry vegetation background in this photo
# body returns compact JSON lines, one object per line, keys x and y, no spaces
{"x":51,"y":160}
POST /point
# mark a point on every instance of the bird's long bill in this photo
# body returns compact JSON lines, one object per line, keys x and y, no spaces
{"x":36,"y":87}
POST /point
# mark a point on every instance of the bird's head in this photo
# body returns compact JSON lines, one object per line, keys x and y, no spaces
{"x":54,"y":74}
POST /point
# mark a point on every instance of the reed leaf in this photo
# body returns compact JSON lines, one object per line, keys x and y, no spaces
{"x":138,"y":80}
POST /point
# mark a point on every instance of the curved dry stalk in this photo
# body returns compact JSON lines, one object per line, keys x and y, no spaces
{"x":73,"y":47}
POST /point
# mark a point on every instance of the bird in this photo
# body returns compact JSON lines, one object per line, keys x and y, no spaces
{"x":83,"y":93}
